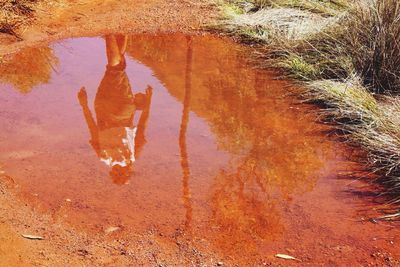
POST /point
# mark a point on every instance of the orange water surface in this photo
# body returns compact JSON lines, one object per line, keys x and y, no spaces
{"x":179,"y":135}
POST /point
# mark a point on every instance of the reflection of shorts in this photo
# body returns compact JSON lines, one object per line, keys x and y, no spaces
{"x":114,"y":99}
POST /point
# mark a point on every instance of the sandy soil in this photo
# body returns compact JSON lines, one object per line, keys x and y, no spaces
{"x":62,"y":19}
{"x":63,"y":245}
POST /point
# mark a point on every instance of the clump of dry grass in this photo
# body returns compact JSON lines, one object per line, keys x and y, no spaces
{"x":347,"y":66}
{"x":373,"y":125}
{"x":364,"y":39}
{"x":28,"y":68}
{"x":372,"y":39}
{"x":269,"y":21}
{"x":323,"y":7}
{"x":289,"y":23}
{"x":343,"y":66}
{"x":366,"y":42}
{"x":14,"y":13}
{"x":364,"y":45}
{"x":323,"y":54}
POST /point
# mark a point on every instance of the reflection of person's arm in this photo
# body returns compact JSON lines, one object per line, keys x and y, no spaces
{"x":94,"y":134}
{"x":140,"y":138}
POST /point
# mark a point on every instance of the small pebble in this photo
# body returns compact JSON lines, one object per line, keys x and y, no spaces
{"x":112,"y":229}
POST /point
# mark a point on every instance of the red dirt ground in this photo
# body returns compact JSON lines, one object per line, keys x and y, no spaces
{"x":348,"y":241}
{"x":60,"y":19}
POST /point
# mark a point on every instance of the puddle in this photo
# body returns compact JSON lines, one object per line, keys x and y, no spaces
{"x":178,"y":136}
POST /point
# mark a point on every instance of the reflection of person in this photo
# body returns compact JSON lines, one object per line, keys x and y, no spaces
{"x":114,"y":137}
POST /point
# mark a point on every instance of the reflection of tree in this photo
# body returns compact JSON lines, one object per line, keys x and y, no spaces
{"x":281,"y":156}
{"x":28,"y":68}
{"x":243,"y":110}
{"x":274,"y":152}
{"x":243,"y":211}
{"x":182,"y":137}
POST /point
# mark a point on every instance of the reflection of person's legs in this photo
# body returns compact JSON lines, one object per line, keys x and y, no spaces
{"x":114,"y":56}
{"x":122,"y":41}
{"x":116,"y":46}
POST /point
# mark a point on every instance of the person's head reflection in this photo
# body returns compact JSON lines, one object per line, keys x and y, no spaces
{"x":114,"y":137}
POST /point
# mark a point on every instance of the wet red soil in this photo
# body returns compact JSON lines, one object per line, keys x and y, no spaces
{"x":181,"y":138}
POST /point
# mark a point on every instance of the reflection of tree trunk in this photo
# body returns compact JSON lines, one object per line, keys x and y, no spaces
{"x":182,"y":136}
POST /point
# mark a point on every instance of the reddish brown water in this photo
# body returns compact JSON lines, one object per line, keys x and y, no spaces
{"x":187,"y":139}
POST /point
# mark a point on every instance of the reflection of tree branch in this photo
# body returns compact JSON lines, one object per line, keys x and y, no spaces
{"x":182,"y":136}
{"x":243,"y":210}
{"x":28,"y":68}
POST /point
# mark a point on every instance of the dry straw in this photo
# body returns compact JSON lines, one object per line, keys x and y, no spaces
{"x":14,"y":13}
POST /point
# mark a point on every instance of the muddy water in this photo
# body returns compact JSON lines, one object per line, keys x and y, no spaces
{"x":179,"y":136}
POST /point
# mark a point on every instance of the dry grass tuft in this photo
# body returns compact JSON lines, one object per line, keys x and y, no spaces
{"x":14,"y":13}
{"x":372,"y":39}
{"x":347,"y":64}
{"x":292,"y":24}
{"x":373,"y":125}
{"x":343,"y":65}
{"x":364,"y":39}
{"x":272,"y":20}
{"x":365,"y":42}
{"x":322,"y":7}
{"x":28,"y":68}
